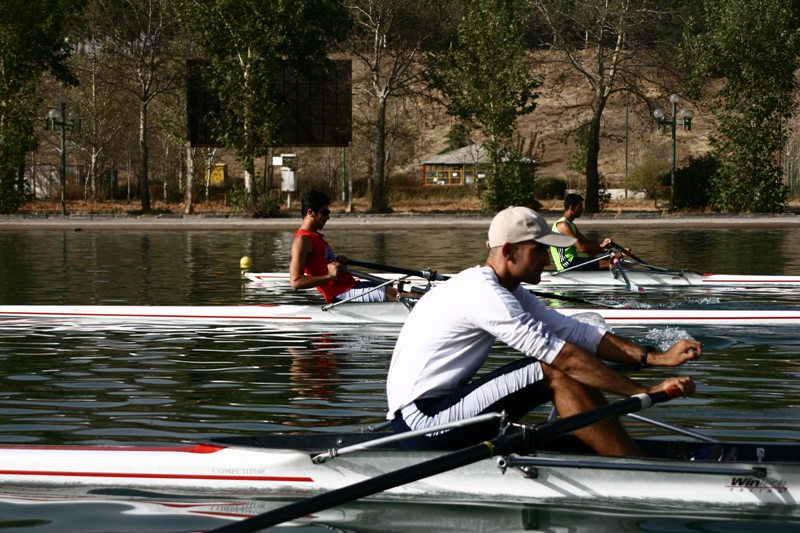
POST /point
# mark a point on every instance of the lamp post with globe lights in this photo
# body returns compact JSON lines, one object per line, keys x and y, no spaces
{"x":71,"y":122}
{"x":686,"y":116}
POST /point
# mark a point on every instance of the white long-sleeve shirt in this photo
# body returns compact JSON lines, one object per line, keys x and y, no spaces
{"x":448,"y":335}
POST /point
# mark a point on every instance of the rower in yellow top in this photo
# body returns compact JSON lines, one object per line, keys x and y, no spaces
{"x":564,"y":258}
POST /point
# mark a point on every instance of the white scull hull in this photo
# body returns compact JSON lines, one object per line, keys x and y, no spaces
{"x":350,"y":313}
{"x":606,"y":278}
{"x":683,"y":278}
{"x":287,"y":471}
{"x":367,"y":313}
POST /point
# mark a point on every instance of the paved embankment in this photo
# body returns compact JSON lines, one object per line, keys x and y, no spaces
{"x":377,"y":222}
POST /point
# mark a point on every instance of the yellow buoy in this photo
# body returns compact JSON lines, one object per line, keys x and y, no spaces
{"x":245,"y":262}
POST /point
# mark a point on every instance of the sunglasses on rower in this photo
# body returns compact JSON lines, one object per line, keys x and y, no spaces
{"x":324,"y":212}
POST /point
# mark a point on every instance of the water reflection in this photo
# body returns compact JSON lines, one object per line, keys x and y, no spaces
{"x":70,"y":383}
{"x":202,"y":268}
{"x":131,"y":512}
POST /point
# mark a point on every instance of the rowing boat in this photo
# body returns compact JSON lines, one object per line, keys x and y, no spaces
{"x":370,"y":313}
{"x":280,"y":465}
{"x":606,"y":278}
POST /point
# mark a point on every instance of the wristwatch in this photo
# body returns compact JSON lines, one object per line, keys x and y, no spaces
{"x":646,"y":349}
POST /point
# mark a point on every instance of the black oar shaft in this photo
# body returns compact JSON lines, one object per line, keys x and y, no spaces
{"x":427,"y":274}
{"x":363,"y":275}
{"x":365,"y":488}
{"x":516,"y":442}
{"x":547,"y":432}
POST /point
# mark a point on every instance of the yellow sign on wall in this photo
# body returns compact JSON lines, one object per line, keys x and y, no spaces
{"x":218,"y":172}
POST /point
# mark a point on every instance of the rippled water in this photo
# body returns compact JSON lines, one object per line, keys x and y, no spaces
{"x":69,"y":382}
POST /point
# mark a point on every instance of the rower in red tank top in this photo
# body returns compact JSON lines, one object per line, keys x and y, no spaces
{"x":314,"y":264}
{"x":317,"y":261}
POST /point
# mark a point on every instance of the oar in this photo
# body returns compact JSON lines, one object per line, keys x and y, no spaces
{"x":377,"y":279}
{"x":571,"y":299}
{"x":364,"y":275}
{"x":627,"y":252}
{"x":616,"y":263}
{"x":523,"y":441}
{"x":427,"y":274}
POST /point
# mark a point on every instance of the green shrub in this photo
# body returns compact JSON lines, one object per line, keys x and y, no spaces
{"x":264,"y":206}
{"x":432,"y":193}
{"x":11,"y":200}
{"x":693,"y":182}
{"x":648,"y":174}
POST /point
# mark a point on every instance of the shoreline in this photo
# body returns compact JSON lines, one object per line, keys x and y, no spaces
{"x":210,"y":222}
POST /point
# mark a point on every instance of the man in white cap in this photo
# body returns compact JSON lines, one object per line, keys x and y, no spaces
{"x":451,"y":330}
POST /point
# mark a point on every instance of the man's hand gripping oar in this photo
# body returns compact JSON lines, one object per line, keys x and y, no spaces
{"x":523,"y":441}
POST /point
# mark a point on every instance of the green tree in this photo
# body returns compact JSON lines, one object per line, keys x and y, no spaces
{"x":486,"y":82}
{"x":754,"y":46}
{"x":32,"y":41}
{"x":247,"y":43}
{"x":458,"y":136}
{"x":576,"y":160}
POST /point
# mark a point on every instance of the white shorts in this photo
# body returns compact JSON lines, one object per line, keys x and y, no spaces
{"x":364,"y":291}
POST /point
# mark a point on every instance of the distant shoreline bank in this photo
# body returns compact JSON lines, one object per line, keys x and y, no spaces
{"x":376,"y":222}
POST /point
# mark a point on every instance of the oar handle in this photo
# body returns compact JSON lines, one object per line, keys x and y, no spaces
{"x":427,"y":274}
{"x":626,"y":251}
{"x":672,"y":393}
{"x":364,"y":275}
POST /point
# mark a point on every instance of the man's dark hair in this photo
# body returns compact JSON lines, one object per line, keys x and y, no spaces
{"x":314,"y":200}
{"x":571,"y":200}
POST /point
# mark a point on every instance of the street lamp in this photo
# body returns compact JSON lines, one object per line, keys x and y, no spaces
{"x":686,"y":121}
{"x":73,"y":122}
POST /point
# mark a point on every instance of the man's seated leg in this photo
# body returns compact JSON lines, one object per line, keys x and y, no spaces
{"x":571,"y":397}
{"x":364,"y":291}
{"x":515,"y":388}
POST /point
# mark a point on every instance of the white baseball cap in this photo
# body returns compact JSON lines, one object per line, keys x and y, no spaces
{"x":519,"y":224}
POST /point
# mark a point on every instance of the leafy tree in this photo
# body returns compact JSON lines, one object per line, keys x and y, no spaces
{"x":32,"y":41}
{"x":485,"y":82}
{"x":754,"y":46}
{"x":608,"y":46}
{"x":458,"y":136}
{"x":576,"y":160}
{"x":247,"y":44}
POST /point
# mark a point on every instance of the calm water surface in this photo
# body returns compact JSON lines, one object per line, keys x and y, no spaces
{"x":66,"y":382}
